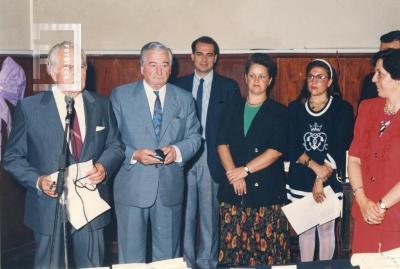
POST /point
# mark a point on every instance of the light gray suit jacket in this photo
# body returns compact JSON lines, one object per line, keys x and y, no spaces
{"x":36,"y":142}
{"x":137,"y":184}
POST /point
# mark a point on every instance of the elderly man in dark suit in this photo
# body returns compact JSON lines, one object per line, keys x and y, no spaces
{"x":34,"y":147}
{"x":211,"y":91}
{"x":153,"y":115}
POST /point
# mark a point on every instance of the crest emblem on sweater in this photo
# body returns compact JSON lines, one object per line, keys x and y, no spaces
{"x":315,"y":139}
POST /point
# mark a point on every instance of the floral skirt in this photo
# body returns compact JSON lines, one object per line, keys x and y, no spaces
{"x":251,"y":236}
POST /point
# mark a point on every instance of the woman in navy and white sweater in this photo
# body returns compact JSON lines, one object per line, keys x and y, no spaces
{"x":320,"y":132}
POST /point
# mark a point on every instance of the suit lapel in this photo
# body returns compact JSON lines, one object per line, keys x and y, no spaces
{"x":52,"y":116}
{"x":140,"y":107}
{"x":50,"y":113}
{"x":215,"y":94}
{"x":90,"y":119}
{"x":169,"y":109}
{"x":215,"y":99}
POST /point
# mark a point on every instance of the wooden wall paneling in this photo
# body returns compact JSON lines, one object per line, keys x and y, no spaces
{"x":182,"y":66}
{"x":111,"y":72}
{"x":233,"y":66}
{"x":354,"y":71}
{"x":290,"y":78}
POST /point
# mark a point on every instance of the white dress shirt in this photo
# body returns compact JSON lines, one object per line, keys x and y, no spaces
{"x":62,"y":110}
{"x":206,"y":97}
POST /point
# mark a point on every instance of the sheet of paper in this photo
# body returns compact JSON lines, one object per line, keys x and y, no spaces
{"x":132,"y":266}
{"x":83,"y":205}
{"x":104,"y":267}
{"x":177,"y":263}
{"x":305,"y":213}
{"x":383,"y":260}
{"x":284,"y":267}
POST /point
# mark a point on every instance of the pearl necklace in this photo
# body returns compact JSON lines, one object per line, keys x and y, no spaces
{"x":389,"y":110}
{"x":317,"y":106}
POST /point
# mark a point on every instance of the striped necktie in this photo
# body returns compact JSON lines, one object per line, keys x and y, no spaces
{"x":76,"y":138}
{"x":157,"y":116}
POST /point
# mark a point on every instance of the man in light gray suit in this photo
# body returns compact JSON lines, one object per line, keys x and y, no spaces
{"x":153,"y":114}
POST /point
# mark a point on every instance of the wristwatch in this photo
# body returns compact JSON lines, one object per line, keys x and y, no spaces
{"x":247,"y":170}
{"x":382,"y":205}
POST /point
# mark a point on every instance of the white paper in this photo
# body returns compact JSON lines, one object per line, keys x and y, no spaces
{"x":383,"y":260}
{"x":83,"y":205}
{"x":284,"y":267}
{"x":177,"y":263}
{"x":132,"y":266}
{"x":104,"y":267}
{"x":305,"y":213}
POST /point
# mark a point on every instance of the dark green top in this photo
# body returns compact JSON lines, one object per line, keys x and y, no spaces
{"x":249,"y":114}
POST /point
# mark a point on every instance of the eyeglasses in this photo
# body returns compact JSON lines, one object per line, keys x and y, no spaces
{"x":318,"y":77}
{"x":81,"y":183}
{"x":258,"y":77}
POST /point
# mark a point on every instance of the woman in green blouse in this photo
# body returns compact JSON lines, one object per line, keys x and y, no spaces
{"x":251,"y":141}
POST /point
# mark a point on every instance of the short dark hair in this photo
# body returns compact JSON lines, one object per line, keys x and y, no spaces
{"x":390,"y":60}
{"x":207,"y":40}
{"x":391,"y":36}
{"x":333,"y":89}
{"x":266,"y":61}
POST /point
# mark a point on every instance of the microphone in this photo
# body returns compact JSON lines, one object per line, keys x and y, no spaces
{"x":70,"y":104}
{"x":70,"y":107}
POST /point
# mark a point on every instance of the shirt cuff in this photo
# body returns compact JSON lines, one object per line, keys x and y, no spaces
{"x":132,"y":160}
{"x":37,"y":185}
{"x":178,"y":154}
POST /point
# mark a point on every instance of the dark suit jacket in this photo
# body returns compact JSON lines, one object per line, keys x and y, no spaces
{"x":268,"y":130}
{"x":223,"y":89}
{"x":36,"y":142}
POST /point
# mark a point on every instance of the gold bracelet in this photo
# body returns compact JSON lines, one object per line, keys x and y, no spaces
{"x":357,"y":189}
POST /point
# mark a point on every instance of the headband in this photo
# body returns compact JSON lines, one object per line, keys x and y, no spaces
{"x":325,"y":62}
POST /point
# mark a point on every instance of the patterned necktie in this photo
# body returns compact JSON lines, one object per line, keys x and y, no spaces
{"x":157,"y":116}
{"x":199,"y":99}
{"x":76,"y":138}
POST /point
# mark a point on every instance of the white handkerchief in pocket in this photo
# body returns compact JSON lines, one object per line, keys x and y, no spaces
{"x":99,"y":128}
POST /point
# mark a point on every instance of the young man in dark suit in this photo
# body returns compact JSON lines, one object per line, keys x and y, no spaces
{"x":211,"y":92}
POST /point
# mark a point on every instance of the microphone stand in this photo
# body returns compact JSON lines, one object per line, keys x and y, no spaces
{"x":60,"y":206}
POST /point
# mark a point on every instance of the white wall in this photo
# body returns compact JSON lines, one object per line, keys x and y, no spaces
{"x":115,"y":25}
{"x":14,"y":24}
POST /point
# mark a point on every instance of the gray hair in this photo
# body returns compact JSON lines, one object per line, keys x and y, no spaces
{"x":52,"y":59}
{"x":154,"y":46}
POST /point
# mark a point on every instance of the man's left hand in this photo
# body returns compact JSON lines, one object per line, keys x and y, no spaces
{"x":170,"y":154}
{"x":97,"y":174}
